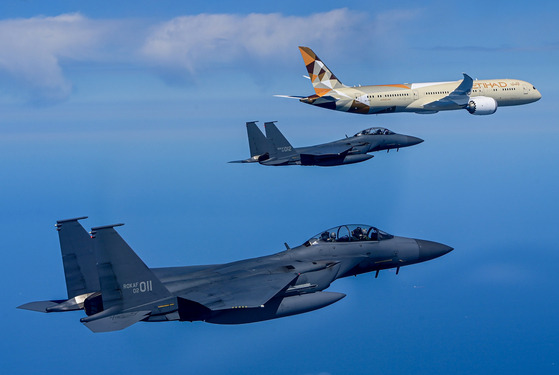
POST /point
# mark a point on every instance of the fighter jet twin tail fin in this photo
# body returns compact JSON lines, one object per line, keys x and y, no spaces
{"x":79,"y":261}
{"x":127,"y":284}
{"x":103,"y":267}
{"x":266,"y":147}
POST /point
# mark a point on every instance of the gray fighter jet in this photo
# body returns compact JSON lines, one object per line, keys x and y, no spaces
{"x":106,"y":278}
{"x":274,"y":149}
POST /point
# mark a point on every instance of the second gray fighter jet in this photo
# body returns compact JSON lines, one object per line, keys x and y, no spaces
{"x":275,"y":149}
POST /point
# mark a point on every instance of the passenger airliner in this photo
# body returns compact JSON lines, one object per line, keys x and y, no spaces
{"x":478,"y":97}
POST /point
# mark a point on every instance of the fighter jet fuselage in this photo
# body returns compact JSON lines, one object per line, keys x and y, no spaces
{"x":123,"y":290}
{"x":478,"y":97}
{"x":274,"y":149}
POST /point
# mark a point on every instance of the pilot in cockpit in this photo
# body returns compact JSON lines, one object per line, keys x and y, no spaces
{"x":374,"y":234}
{"x":328,"y":237}
{"x":359,"y":234}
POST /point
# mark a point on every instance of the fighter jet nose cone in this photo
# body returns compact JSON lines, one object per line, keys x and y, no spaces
{"x":414,"y":140}
{"x":430,"y":250}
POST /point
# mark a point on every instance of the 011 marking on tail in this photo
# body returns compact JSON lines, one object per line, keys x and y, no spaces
{"x":139,"y":286}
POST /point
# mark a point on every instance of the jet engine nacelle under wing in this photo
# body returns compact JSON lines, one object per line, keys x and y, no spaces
{"x":482,"y":105}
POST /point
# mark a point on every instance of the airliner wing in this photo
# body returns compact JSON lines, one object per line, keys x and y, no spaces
{"x":459,"y":97}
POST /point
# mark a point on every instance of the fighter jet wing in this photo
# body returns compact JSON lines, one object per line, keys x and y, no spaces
{"x":320,"y":154}
{"x":328,"y":151}
{"x":243,"y":292}
{"x":459,"y":97}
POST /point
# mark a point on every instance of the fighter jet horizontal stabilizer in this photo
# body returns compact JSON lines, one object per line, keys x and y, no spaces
{"x":113,"y":322}
{"x":41,"y":306}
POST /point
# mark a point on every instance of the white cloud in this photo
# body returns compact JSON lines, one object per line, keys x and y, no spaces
{"x":34,"y":52}
{"x":31,"y":51}
{"x":190,"y":42}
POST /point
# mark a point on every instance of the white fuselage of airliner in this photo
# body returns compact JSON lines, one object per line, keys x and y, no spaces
{"x":479,"y":97}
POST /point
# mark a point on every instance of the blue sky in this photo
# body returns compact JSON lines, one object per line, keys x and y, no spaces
{"x":128,"y":112}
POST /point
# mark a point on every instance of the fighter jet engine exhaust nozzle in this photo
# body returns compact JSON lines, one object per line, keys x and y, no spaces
{"x":481,"y":105}
{"x":263,"y":157}
{"x":93,"y":304}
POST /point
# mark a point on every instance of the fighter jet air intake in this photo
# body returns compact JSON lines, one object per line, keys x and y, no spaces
{"x":115,"y":288}
{"x":478,"y":97}
{"x":274,"y":149}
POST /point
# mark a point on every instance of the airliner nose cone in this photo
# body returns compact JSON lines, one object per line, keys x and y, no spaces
{"x":538,"y":95}
{"x":430,"y":250}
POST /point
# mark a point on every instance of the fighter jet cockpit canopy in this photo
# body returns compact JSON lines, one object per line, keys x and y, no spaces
{"x":375,"y":131}
{"x":349,"y":233}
